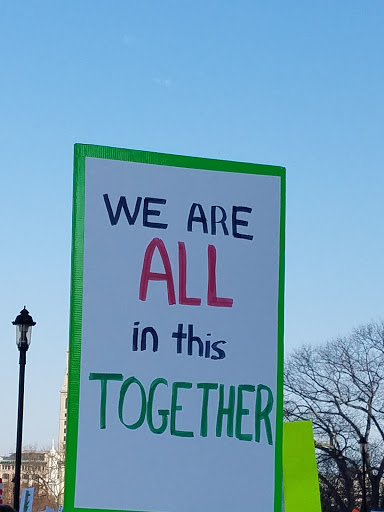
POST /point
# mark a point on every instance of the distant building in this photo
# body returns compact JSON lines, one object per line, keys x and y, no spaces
{"x":63,"y":426}
{"x":63,"y":412}
{"x":39,"y":469}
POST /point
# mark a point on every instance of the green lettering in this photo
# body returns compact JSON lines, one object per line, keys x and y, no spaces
{"x":206,"y":387}
{"x":175,"y":407}
{"x":240,"y":411}
{"x":228,"y":411}
{"x":124,"y":388}
{"x":263,"y":415}
{"x":162,"y":412}
{"x":104,"y":378}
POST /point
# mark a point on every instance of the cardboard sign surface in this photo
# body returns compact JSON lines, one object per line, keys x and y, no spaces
{"x":301,"y":481}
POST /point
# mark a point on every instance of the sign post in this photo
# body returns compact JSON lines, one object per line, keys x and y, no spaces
{"x":176,"y":349}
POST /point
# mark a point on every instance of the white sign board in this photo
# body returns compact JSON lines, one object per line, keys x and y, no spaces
{"x":26,"y":499}
{"x":175,"y":385}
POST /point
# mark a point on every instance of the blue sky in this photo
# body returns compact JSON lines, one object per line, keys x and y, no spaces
{"x":298,"y":84}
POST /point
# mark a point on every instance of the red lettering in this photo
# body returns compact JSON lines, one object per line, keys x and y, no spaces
{"x":147,"y":275}
{"x":183,"y":299}
{"x":212,"y":298}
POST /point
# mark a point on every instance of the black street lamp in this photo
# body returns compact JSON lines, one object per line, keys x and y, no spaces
{"x":23,"y":323}
{"x":363,"y":450}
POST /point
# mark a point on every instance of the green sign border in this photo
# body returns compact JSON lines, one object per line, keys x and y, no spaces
{"x":86,"y":150}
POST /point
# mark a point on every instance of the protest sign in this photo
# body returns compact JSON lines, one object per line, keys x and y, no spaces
{"x":301,"y":481}
{"x":176,"y":350}
{"x":26,"y":499}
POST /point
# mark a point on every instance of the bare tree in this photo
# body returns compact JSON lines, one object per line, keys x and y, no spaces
{"x":339,"y":386}
{"x":8,"y":493}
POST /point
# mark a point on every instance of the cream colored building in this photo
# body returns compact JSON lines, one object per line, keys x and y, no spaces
{"x":63,"y":425}
{"x":39,"y":469}
{"x":63,"y":411}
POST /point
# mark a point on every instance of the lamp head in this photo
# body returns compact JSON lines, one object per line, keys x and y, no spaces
{"x":24,"y":323}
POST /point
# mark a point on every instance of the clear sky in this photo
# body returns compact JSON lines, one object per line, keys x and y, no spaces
{"x":292,"y":83}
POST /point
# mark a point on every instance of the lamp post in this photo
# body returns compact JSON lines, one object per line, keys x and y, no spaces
{"x":23,"y":323}
{"x":363,"y":450}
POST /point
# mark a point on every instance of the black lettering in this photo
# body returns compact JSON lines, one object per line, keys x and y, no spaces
{"x":191,"y":339}
{"x":220,"y":221}
{"x":239,"y":222}
{"x":201,"y":218}
{"x":179,"y":336}
{"x":143,"y":344}
{"x":154,"y":213}
{"x":122,"y":205}
{"x":220,"y":351}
